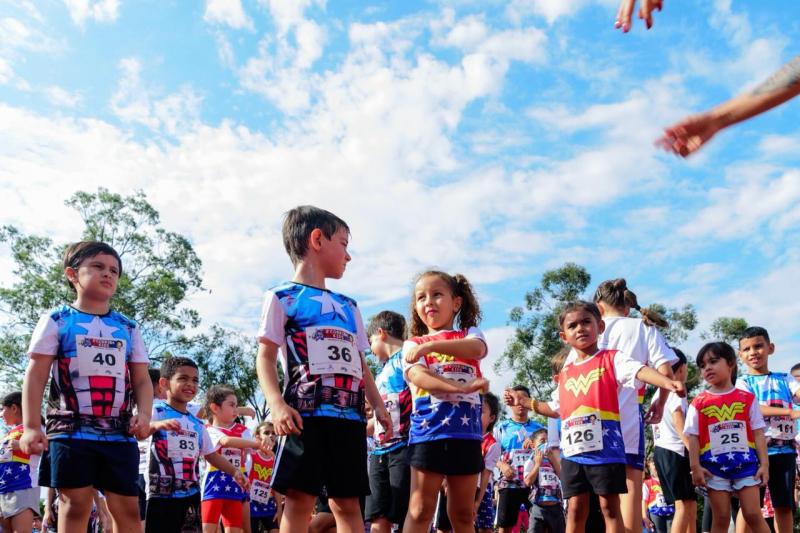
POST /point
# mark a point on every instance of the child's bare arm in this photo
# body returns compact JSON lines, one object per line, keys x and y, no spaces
{"x":679,"y":420}
{"x":648,"y":375}
{"x":374,"y":398}
{"x":698,"y":472}
{"x":33,"y":439}
{"x":286,"y":419}
{"x":222,"y":464}
{"x":143,"y":390}
{"x":240,"y":443}
{"x":427,"y":380}
{"x":469,"y":348}
{"x":763,"y":458}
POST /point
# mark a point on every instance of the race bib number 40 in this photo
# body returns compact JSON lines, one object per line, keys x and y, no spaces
{"x":100,"y":356}
{"x":182,"y":444}
{"x":332,"y":350}
{"x":581,"y":434}
{"x":728,"y":437}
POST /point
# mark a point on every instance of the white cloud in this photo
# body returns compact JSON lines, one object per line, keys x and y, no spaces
{"x":97,"y":10}
{"x":61,"y":97}
{"x":552,"y":10}
{"x":777,"y":145}
{"x":228,"y":12}
{"x":16,"y":38}
{"x":497,"y":340}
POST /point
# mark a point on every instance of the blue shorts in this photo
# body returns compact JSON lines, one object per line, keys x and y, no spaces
{"x":108,"y":466}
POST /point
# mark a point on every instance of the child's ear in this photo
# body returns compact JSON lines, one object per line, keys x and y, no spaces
{"x":601,"y":326}
{"x":562,"y":336}
{"x":315,"y":239}
{"x":163,"y":383}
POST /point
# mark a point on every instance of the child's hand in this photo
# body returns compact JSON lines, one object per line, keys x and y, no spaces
{"x":33,"y":441}
{"x":240,"y":478}
{"x":287,"y":421}
{"x":795,"y":414}
{"x":173,"y":424}
{"x":477,"y":385}
{"x":678,"y":388}
{"x":139,"y":426}
{"x":527,"y":444}
{"x":654,"y":414}
{"x":699,"y":475}
{"x":513,"y":397}
{"x":385,"y":419}
{"x":417,"y":352}
{"x":506,"y":470}
{"x":538,"y":456}
{"x":762,"y":474}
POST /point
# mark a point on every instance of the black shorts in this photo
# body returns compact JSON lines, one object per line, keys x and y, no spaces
{"x":577,"y":478}
{"x":389,"y":486}
{"x":108,"y":466}
{"x":674,"y":474}
{"x":173,"y":514}
{"x":782,"y":475}
{"x":330,"y":453}
{"x":547,"y":519}
{"x":509,"y":501}
{"x":451,"y":457}
{"x":142,"y":485}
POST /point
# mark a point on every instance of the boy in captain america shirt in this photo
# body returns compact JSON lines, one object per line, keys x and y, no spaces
{"x":593,"y":453}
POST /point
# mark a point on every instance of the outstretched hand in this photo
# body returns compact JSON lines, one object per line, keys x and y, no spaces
{"x":625,"y":13}
{"x":689,"y":135}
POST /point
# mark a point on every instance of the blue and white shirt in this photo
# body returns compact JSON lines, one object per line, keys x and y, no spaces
{"x":90,"y":393}
{"x":396,"y":396}
{"x":510,"y":435}
{"x":775,"y":389}
{"x":321,"y":337}
{"x":173,"y":468}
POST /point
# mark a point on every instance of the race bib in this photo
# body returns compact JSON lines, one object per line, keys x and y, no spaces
{"x":728,"y":437}
{"x":547,"y":478}
{"x":259,"y":491}
{"x":581,"y":434}
{"x":100,"y":356}
{"x":518,"y":460}
{"x":660,"y":500}
{"x":233,"y":455}
{"x":781,"y":428}
{"x":457,"y":372}
{"x":6,"y":453}
{"x":332,"y":350}
{"x":656,"y":432}
{"x":391,"y":402}
{"x":182,"y":445}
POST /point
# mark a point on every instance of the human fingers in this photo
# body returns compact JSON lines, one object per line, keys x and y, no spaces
{"x":624,"y":15}
{"x":646,"y":13}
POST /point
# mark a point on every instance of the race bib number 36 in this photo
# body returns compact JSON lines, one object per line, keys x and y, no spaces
{"x":728,"y":437}
{"x":182,"y":445}
{"x":100,"y":356}
{"x":332,"y":350}
{"x":582,"y":434}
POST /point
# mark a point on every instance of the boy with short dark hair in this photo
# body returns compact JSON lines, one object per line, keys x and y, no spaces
{"x":541,"y":474}
{"x":775,"y":392}
{"x":321,"y":337}
{"x":179,"y":440}
{"x":19,"y":490}
{"x":98,"y":364}
{"x":389,"y":471}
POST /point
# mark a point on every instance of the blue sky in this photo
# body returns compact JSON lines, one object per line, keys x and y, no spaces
{"x":497,"y":139}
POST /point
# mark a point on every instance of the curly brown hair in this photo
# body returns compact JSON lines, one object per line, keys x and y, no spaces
{"x":468,"y":316}
{"x":615,"y":293}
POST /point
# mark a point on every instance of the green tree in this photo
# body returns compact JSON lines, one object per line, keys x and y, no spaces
{"x":727,"y":329}
{"x":536,"y":339}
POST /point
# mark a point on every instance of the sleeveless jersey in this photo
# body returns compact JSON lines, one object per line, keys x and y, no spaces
{"x":446,"y":416}
{"x":547,"y":487}
{"x":396,"y":397}
{"x":727,"y":447}
{"x":321,"y":336}
{"x":218,"y":485}
{"x":510,"y":435}
{"x":262,"y":504}
{"x":775,"y":389}
{"x":174,"y":460}
{"x":18,"y":470}
{"x":90,"y":390}
{"x":654,"y":499}
{"x":589,"y":407}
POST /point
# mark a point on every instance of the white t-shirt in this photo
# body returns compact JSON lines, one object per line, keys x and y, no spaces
{"x":665,"y":434}
{"x":691,"y":427}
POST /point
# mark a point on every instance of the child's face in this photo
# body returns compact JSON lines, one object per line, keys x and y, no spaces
{"x":182,"y":386}
{"x":580,"y":329}
{"x":267,"y":435}
{"x":12,"y":415}
{"x":378,"y":345}
{"x":682,"y":373}
{"x":435,"y":304}
{"x":333,"y":254}
{"x":796,"y":375}
{"x":541,"y":438}
{"x":716,"y":370}
{"x":486,"y":416}
{"x":96,"y":276}
{"x":755,"y":351}
{"x":225,"y":413}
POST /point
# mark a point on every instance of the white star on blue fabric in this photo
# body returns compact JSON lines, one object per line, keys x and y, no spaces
{"x":446,"y":421}
{"x":329,"y":305}
{"x":465,"y":420}
{"x":97,"y":328}
{"x":731,"y":457}
{"x":713,"y":459}
{"x":423,"y":424}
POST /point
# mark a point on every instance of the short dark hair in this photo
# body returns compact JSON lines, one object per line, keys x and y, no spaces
{"x":171,"y":364}
{"x":579,"y":305}
{"x":155,"y":374}
{"x":77,"y":252}
{"x":298,"y":224}
{"x":536,"y":432}
{"x":392,"y":323}
{"x":795,"y":367}
{"x":13,"y":398}
{"x":681,"y":359}
{"x":217,"y":394}
{"x":494,"y":409}
{"x":522,"y":388}
{"x":754,"y":331}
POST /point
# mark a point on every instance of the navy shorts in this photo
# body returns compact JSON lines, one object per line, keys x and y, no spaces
{"x":108,"y":466}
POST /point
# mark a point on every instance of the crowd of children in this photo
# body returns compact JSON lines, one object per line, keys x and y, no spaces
{"x":125,"y":444}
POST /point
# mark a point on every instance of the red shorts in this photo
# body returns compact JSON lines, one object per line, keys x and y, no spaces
{"x":229,"y":510}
